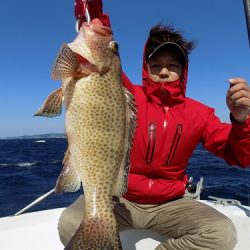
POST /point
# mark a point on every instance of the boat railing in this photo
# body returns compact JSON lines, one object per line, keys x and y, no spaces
{"x":33,"y":203}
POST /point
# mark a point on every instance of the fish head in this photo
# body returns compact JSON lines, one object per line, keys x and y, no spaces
{"x":103,"y":50}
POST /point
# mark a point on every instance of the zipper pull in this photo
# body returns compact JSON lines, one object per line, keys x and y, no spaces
{"x":151,"y":143}
{"x":151,"y":128}
{"x":179,"y":129}
{"x":165,"y":109}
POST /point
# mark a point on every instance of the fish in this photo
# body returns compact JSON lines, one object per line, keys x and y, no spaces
{"x":100,"y":122}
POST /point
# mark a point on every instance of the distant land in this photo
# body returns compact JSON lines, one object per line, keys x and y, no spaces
{"x":41,"y":136}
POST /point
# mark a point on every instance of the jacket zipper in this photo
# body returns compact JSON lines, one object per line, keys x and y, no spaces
{"x":151,"y":142}
{"x":174,"y":145}
{"x":164,"y":134}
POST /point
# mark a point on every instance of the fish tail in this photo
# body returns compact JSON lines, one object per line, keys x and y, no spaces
{"x":96,"y":233}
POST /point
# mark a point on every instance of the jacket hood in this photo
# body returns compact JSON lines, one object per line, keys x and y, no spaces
{"x":164,"y":93}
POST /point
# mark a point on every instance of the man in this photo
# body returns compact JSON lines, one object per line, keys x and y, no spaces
{"x":170,"y":126}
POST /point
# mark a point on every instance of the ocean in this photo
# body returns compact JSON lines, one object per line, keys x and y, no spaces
{"x":29,"y":168}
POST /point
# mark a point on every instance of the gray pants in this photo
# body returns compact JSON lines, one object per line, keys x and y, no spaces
{"x":189,"y":224}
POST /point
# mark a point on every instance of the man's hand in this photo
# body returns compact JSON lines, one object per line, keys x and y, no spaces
{"x":238,"y":99}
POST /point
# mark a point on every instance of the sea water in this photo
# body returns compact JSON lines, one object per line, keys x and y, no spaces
{"x":29,"y":168}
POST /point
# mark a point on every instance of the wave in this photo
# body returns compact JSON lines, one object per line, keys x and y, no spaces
{"x":4,"y":164}
{"x":56,"y":162}
{"x":29,"y":164}
{"x":26,"y":164}
{"x":40,"y":141}
{"x":20,"y":164}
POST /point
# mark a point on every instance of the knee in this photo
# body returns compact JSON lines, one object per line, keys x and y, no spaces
{"x":221,"y":234}
{"x":218,"y":233}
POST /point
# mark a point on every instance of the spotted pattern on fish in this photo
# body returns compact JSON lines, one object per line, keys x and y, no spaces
{"x":96,"y":119}
{"x":100,"y":121}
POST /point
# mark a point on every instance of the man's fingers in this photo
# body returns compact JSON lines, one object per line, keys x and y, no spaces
{"x":238,"y":87}
{"x":243,"y":101}
{"x":239,"y":94}
{"x":236,"y":80}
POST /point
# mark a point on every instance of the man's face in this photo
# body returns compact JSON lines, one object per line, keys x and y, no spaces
{"x":165,"y":66}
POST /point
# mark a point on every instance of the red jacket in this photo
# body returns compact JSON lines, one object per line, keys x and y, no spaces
{"x":170,"y":126}
{"x":165,"y":139}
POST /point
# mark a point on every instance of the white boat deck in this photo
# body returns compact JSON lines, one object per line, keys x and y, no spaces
{"x":38,"y":231}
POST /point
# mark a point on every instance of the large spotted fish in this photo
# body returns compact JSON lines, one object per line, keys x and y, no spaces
{"x":99,"y":122}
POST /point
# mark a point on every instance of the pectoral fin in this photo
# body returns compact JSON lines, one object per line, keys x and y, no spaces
{"x":69,"y":180}
{"x":52,"y":105}
{"x":70,"y":64}
{"x":66,"y":64}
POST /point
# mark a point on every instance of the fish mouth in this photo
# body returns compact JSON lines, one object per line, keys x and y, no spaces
{"x":97,"y":27}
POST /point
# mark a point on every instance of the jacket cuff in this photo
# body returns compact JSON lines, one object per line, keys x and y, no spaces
{"x":242,"y":129}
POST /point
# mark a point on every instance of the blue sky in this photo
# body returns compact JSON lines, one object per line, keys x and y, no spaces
{"x":33,"y":31}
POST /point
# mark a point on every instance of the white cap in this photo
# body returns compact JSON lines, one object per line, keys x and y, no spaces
{"x":169,"y":44}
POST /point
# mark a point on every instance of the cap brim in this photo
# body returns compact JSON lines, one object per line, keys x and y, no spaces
{"x":166,"y":44}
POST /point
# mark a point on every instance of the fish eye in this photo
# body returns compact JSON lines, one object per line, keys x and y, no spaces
{"x":114,"y":46}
